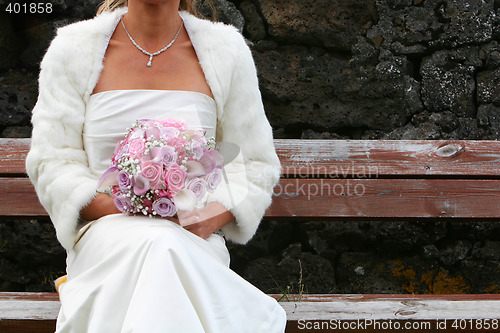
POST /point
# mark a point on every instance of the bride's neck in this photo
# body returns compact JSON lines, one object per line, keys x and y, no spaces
{"x":152,"y":24}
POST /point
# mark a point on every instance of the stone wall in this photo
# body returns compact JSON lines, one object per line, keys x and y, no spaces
{"x":390,"y":69}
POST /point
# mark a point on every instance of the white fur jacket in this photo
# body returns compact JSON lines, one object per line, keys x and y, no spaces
{"x":57,"y":162}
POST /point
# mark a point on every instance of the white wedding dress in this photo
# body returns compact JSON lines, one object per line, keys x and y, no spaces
{"x":140,"y":274}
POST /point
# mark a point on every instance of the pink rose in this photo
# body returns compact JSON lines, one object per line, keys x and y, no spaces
{"x":122,"y":203}
{"x":152,"y":172}
{"x":164,"y":207}
{"x":165,"y":155}
{"x":136,"y":147}
{"x":197,"y":149}
{"x":213,"y":179}
{"x":124,"y":181}
{"x":162,"y":193}
{"x":179,"y":124}
{"x":169,"y":133}
{"x":179,"y":145}
{"x":198,"y":186}
{"x":199,"y":137}
{"x":175,"y":177}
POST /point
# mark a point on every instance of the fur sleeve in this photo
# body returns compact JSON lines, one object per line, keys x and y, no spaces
{"x":246,"y":140}
{"x":56,"y":163}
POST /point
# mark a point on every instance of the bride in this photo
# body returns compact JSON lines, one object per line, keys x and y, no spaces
{"x":152,"y":59}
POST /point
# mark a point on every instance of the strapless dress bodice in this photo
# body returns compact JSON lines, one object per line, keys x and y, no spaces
{"x":109,"y":114}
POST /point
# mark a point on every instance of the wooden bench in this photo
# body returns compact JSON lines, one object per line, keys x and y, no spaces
{"x":332,"y":180}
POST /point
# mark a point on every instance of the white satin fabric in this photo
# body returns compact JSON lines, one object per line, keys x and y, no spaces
{"x":148,"y":275}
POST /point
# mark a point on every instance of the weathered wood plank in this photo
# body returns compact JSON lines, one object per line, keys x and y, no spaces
{"x":28,"y":312}
{"x":30,"y":296}
{"x":386,"y":198}
{"x":28,"y":326}
{"x":311,"y":307}
{"x":12,"y":155}
{"x":334,"y":198}
{"x":349,"y":158}
{"x":359,"y":158}
{"x":382,"y":309}
{"x":356,"y":298}
{"x":18,"y":199}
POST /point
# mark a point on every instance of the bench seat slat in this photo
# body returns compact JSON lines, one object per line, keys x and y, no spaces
{"x":42,"y":310}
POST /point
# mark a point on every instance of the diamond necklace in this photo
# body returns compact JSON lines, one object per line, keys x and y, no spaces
{"x":151,"y":55}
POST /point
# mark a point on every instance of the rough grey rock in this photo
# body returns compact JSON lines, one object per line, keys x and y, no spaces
{"x":481,"y":268}
{"x":333,"y":24}
{"x":468,"y":129}
{"x":17,"y":98}
{"x":387,"y":236}
{"x":311,"y":88}
{"x":312,"y":134}
{"x":488,"y":87}
{"x":10,"y":44}
{"x":30,"y":256}
{"x":427,"y":131}
{"x":225,"y":12}
{"x":38,"y":39}
{"x":16,"y":132}
{"x":490,"y":54}
{"x":465,"y":22}
{"x":446,"y":120}
{"x":404,"y":28}
{"x":454,"y":252}
{"x":254,"y":25}
{"x":488,"y":115}
{"x":295,"y":272}
{"x":470,"y":230}
{"x":428,"y":126}
{"x":448,"y":84}
{"x":366,"y":272}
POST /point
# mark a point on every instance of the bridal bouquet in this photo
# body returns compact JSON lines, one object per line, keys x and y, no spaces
{"x":162,"y":166}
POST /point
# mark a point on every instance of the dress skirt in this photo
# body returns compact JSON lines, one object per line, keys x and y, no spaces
{"x":140,"y":274}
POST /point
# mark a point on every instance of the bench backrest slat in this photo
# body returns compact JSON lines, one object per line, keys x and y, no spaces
{"x":12,"y":156}
{"x":386,"y":158}
{"x":383,"y":157}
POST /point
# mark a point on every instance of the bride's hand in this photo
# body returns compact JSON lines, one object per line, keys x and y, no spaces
{"x":205,"y":221}
{"x":101,"y":205}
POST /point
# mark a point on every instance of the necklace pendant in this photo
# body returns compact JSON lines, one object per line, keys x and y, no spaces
{"x":157,"y":52}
